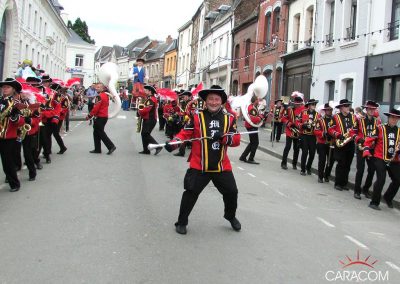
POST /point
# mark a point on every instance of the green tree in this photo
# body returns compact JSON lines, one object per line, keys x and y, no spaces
{"x":81,"y":28}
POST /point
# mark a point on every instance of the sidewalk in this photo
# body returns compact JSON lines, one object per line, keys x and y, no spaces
{"x":276,"y":150}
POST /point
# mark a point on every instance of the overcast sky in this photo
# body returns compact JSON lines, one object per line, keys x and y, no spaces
{"x":120,"y":21}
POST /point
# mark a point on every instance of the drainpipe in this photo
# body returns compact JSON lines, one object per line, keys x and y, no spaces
{"x":365,"y":85}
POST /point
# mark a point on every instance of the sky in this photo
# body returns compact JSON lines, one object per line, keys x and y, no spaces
{"x":120,"y":21}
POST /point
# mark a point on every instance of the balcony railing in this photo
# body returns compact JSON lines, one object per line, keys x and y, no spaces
{"x":393,"y":28}
{"x":295,"y":46}
{"x":350,"y":33}
{"x":329,"y":40}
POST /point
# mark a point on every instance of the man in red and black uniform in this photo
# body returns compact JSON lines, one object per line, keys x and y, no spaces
{"x":8,"y":131}
{"x":171,"y":115}
{"x":215,"y":130}
{"x":344,"y":128}
{"x":386,"y":157}
{"x":53,"y":122}
{"x":306,"y":123}
{"x":277,"y":112}
{"x":366,"y":128}
{"x":184,"y":98}
{"x":100,"y":114}
{"x":44,"y":142}
{"x":256,"y":119}
{"x":324,"y":144}
{"x":65,"y":105}
{"x":291,"y":115}
{"x":149,"y":116}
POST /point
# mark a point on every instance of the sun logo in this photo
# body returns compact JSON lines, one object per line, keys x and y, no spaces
{"x":350,"y":262}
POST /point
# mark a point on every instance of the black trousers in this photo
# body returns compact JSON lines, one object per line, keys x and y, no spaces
{"x":308,"y":147}
{"x":147,"y":128}
{"x":43,"y":142}
{"x":100,"y":135}
{"x":324,"y":169}
{"x":54,"y":129}
{"x":7,"y":152}
{"x":277,"y":131}
{"x":161,"y":119}
{"x":252,"y":146}
{"x":344,"y":157}
{"x":194,"y":183}
{"x":394,"y":173}
{"x":18,"y":160}
{"x":67,"y":121}
{"x":29,"y":145}
{"x":360,"y":172}
{"x":296,"y":149}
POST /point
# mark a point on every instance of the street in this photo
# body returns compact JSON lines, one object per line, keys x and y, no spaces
{"x":95,"y":218}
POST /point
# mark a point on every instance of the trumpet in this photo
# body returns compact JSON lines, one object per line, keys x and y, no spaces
{"x":23,"y":130}
{"x":139,"y":122}
{"x":295,"y":132}
{"x":342,"y":142}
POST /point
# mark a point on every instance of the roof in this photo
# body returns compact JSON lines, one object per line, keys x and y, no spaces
{"x":172,"y":46}
{"x":157,"y":52}
{"x":103,"y":52}
{"x":76,"y":39}
{"x":119,"y":50}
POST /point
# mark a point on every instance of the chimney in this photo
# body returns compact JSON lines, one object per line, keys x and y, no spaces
{"x":169,"y":39}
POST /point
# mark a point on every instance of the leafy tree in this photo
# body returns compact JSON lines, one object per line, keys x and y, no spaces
{"x":81,"y":28}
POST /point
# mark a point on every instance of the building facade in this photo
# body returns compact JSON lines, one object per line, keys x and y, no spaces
{"x":32,"y":29}
{"x":184,"y":55}
{"x":170,"y":65}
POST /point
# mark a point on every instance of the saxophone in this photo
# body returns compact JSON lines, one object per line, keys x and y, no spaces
{"x":24,"y":129}
{"x":4,"y":116}
{"x":139,"y":123}
{"x":342,"y":142}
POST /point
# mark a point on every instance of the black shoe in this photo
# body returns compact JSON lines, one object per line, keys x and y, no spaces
{"x":39,"y":166}
{"x":62,"y":151}
{"x":284,"y":166}
{"x":235,"y":224}
{"x":158,"y":150}
{"x":373,"y":206}
{"x":294,"y":167}
{"x":95,"y":152}
{"x":357,"y":196}
{"x":243,"y":159}
{"x":14,"y":189}
{"x":309,"y":172}
{"x":48,"y":160}
{"x":303,"y":173}
{"x":145,"y":152}
{"x":345,"y":188}
{"x":253,"y":162}
{"x":367,"y":194}
{"x":111,"y":150}
{"x":320,"y":180}
{"x":32,"y":178}
{"x":179,"y":155}
{"x":388,"y":202}
{"x":326,"y":179}
{"x":180,"y":229}
{"x":338,"y":187}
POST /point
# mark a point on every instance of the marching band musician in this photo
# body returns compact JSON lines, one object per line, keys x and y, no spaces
{"x":324,"y":144}
{"x":344,"y":128}
{"x":366,"y":128}
{"x":306,"y":123}
{"x":44,"y":142}
{"x":256,"y":118}
{"x":277,"y":112}
{"x":100,"y":115}
{"x":170,"y":112}
{"x":386,"y":157}
{"x":184,"y":98}
{"x":149,"y":116}
{"x":216,"y":130}
{"x":10,"y":121}
{"x":65,"y":106}
{"x":54,"y":120}
{"x":291,"y":115}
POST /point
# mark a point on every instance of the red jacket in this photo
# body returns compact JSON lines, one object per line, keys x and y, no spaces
{"x":169,"y":110}
{"x":307,"y":116}
{"x":64,"y":107}
{"x":100,"y":108}
{"x":290,"y":118}
{"x":36,"y":118}
{"x":11,"y":123}
{"x":208,"y":155}
{"x":366,"y":128}
{"x":254,"y":116}
{"x":321,"y":130}
{"x":384,"y":143}
{"x":343,"y":124}
{"x":150,"y":108}
{"x":52,"y":111}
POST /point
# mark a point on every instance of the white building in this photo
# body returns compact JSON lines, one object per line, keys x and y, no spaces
{"x":80,"y":60}
{"x":184,"y":55}
{"x":340,"y":52}
{"x":215,"y":48}
{"x":32,"y":29}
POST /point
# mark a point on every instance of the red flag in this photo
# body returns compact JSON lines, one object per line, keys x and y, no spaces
{"x":197,"y":90}
{"x":167,"y":94}
{"x":59,"y":82}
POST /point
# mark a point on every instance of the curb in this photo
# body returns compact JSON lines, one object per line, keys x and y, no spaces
{"x":396,"y":204}
{"x":77,"y":118}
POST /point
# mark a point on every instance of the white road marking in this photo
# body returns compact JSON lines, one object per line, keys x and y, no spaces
{"x":377,"y":234}
{"x":326,"y":222}
{"x":392,"y":265}
{"x":360,"y":244}
{"x":240,"y":168}
{"x":264,"y":183}
{"x":280,"y":193}
{"x":300,"y":206}
{"x":121,"y":116}
{"x":3,"y":185}
{"x":253,"y":176}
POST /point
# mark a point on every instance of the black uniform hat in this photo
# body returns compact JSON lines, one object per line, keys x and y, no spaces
{"x":46,"y":78}
{"x":371,"y":104}
{"x":278,"y":100}
{"x":327,"y":106}
{"x":393,"y":112}
{"x":33,"y":81}
{"x":13,"y":83}
{"x":344,"y":102}
{"x":311,"y":102}
{"x":150,"y":88}
{"x":215,"y":89}
{"x":298,"y":101}
{"x":185,"y":93}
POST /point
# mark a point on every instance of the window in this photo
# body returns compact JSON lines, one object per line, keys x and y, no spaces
{"x":79,"y":60}
{"x":277,"y":19}
{"x":331,"y":24}
{"x":45,"y":30}
{"x":394,"y":24}
{"x":309,"y":25}
{"x":278,"y":83}
{"x":23,"y":11}
{"x":331,"y":90}
{"x":35,"y":23}
{"x":40,"y":27}
{"x":351,"y":30}
{"x":268,"y":75}
{"x":349,"y":89}
{"x":236,"y":62}
{"x":181,"y":42}
{"x":235,"y":87}
{"x":267,"y":28}
{"x":296,"y":31}
{"x":247,"y":53}
{"x":29,"y":16}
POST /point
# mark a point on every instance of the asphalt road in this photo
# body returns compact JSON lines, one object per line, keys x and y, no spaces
{"x":109,"y":219}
